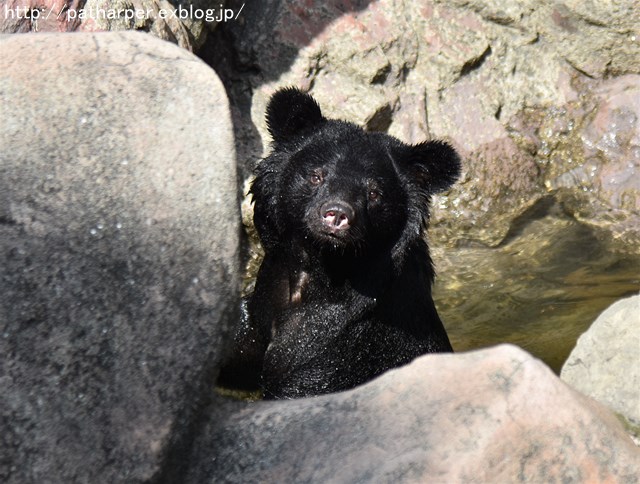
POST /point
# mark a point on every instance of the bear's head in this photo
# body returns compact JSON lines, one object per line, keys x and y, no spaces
{"x":338,"y":187}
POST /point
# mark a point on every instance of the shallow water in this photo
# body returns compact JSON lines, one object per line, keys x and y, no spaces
{"x":540,"y":291}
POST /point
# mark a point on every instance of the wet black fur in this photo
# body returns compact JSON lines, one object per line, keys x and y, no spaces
{"x":332,"y":311}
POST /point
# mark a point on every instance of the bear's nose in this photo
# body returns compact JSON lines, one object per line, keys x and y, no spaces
{"x":337,"y":215}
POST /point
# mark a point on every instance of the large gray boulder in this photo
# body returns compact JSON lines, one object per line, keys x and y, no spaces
{"x":496,"y":415}
{"x":119,"y":232}
{"x":605,"y":364}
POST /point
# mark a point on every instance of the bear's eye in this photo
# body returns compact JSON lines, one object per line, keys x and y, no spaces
{"x":316,"y":178}
{"x":374,"y":195}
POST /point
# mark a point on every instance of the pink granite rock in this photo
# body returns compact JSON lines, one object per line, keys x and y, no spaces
{"x":496,"y":415}
{"x":589,"y":149}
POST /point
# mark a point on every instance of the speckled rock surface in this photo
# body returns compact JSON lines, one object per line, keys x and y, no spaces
{"x":605,"y":364}
{"x":496,"y":415}
{"x":118,"y":253}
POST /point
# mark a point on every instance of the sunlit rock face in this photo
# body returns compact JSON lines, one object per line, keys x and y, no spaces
{"x":605,"y":363}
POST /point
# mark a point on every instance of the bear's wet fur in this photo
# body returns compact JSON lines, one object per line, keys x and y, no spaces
{"x":344,"y":291}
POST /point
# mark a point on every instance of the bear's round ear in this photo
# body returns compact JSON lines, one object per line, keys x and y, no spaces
{"x":434,"y":165}
{"x":291,"y":112}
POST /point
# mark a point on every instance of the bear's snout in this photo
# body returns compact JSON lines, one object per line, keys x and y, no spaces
{"x":337,"y":216}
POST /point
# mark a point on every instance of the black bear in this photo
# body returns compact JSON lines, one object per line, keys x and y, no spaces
{"x":344,"y":291}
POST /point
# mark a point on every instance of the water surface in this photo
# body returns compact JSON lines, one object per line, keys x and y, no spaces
{"x":540,"y":291}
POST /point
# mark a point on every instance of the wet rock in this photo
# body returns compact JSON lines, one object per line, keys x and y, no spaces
{"x":496,"y":415}
{"x":118,"y":254}
{"x":605,"y":364}
{"x":588,"y":150}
